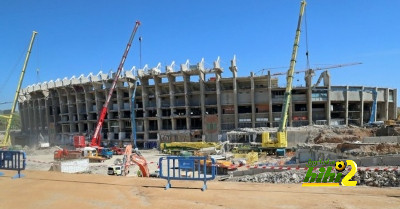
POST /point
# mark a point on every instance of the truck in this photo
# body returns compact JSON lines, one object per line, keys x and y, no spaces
{"x":64,"y":154}
{"x":115,"y":170}
{"x":105,"y":152}
{"x":92,"y":154}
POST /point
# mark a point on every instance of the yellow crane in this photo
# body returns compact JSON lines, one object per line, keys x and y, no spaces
{"x":281,"y":135}
{"x":7,"y":140}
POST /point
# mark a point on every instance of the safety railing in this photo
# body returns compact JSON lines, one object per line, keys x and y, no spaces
{"x":13,"y":160}
{"x":187,"y":168}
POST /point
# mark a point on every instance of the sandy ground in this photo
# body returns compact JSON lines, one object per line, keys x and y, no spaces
{"x":41,"y":189}
{"x":41,"y":160}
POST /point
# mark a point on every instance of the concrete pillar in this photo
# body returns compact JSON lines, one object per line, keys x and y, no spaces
{"x":40,"y":116}
{"x":290,"y":113}
{"x":253,"y":105}
{"x":235,"y":102}
{"x":202,"y":100}
{"x":308,"y":77}
{"x":186,"y":83}
{"x":376,"y":107}
{"x":233,"y":69}
{"x":346,"y":100}
{"x":219,"y":108}
{"x":171,"y":82}
{"x":47,"y":114}
{"x":327,"y":84}
{"x":30,"y":116}
{"x":386,"y":104}
{"x":157,"y":82}
{"x":35,"y":117}
{"x":394,"y":103}
{"x":269,"y":88}
{"x":145,"y":99}
{"x":362,"y":107}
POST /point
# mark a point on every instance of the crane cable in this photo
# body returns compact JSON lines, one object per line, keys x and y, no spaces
{"x":13,"y":70}
{"x":306,"y":30}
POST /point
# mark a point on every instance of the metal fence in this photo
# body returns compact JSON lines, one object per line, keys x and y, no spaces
{"x":13,"y":160}
{"x":187,"y":168}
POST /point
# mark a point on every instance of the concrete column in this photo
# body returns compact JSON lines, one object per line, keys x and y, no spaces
{"x":362,"y":107}
{"x":21,"y":108}
{"x":290,"y":115}
{"x":269,"y":86}
{"x":219,"y":108}
{"x":308,"y":77}
{"x":171,"y":82}
{"x":253,"y":105}
{"x":233,"y":69}
{"x":387,"y":104}
{"x":157,"y":82}
{"x":202,"y":101}
{"x":394,"y":103}
{"x":346,"y":100}
{"x":145,"y":98}
{"x":30,"y":116}
{"x":40,"y":116}
{"x":327,"y":84}
{"x":47,"y":113}
{"x":376,"y":107}
{"x":186,"y":83}
{"x":35,"y":117}
{"x":235,"y":102}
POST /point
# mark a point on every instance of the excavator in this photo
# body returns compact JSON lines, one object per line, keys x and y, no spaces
{"x":281,"y":136}
{"x":131,"y":156}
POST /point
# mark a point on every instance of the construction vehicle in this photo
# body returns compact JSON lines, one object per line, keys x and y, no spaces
{"x":175,"y":148}
{"x":92,"y":154}
{"x":7,"y":139}
{"x":117,"y":150}
{"x":96,"y":139}
{"x":281,"y":136}
{"x":115,"y":170}
{"x":64,"y":154}
{"x":131,"y":156}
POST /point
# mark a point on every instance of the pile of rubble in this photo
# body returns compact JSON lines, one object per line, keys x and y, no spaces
{"x":286,"y":177}
{"x":368,"y":178}
{"x":378,"y":178}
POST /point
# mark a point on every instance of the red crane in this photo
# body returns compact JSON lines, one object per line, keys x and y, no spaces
{"x":96,"y":136}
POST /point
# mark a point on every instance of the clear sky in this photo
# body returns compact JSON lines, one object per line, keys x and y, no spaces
{"x":82,"y":36}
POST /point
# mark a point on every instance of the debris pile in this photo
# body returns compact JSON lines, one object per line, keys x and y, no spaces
{"x":368,"y":178}
{"x":378,"y":178}
{"x":286,"y":177}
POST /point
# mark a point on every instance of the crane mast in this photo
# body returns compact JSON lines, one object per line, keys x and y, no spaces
{"x":6,"y":141}
{"x":96,"y":136}
{"x":281,"y":135}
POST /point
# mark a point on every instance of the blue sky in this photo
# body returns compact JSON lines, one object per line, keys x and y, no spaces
{"x":76,"y":37}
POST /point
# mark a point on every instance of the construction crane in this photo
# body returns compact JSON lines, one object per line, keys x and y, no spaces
{"x":281,"y":134}
{"x":319,"y":68}
{"x":96,"y":139}
{"x":7,"y":139}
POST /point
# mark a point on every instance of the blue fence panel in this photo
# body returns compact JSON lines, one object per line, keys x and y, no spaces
{"x":13,"y":160}
{"x":186,"y":168}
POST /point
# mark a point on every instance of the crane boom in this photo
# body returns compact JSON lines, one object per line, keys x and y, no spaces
{"x":96,"y":135}
{"x":289,"y":78}
{"x":6,"y":140}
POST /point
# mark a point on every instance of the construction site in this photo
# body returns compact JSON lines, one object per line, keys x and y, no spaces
{"x":125,"y":133}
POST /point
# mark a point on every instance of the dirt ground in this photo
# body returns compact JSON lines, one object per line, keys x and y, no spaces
{"x":41,"y":189}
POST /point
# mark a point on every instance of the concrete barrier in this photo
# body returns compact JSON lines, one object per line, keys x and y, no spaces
{"x":71,"y":166}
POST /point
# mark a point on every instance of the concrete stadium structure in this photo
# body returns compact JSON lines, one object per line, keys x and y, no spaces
{"x":191,"y":104}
